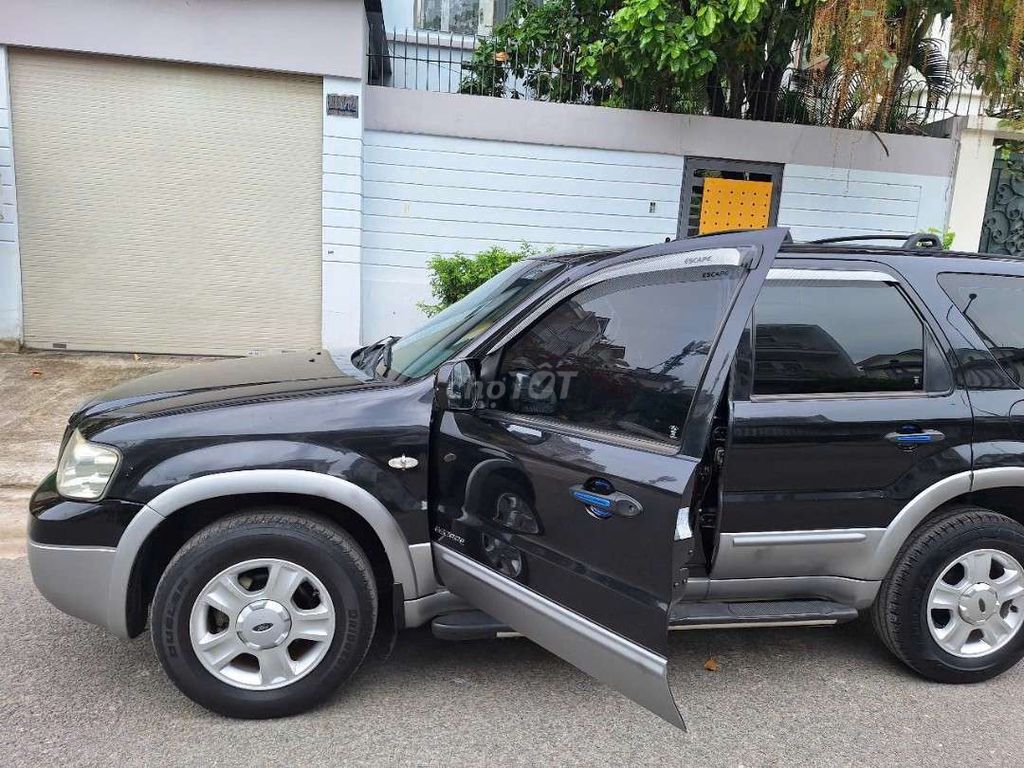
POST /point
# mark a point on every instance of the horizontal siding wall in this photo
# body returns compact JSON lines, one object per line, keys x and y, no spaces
{"x":818,"y":201}
{"x":427,"y":195}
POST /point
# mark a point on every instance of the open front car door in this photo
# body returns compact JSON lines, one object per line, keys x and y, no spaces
{"x":566,"y":451}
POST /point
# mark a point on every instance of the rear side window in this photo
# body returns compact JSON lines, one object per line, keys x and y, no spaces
{"x":821,"y":337}
{"x":994,"y":305}
{"x":624,"y":356}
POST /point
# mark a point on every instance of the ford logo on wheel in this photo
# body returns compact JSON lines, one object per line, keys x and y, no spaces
{"x":262,"y":627}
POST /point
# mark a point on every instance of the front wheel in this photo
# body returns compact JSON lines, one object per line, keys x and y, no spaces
{"x":953,"y":606}
{"x":264,"y":614}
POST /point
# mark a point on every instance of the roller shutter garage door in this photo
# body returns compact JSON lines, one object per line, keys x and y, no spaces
{"x":166,"y":207}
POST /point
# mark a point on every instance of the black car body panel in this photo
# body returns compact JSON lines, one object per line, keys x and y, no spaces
{"x":210,"y":382}
{"x":802,"y":463}
{"x":56,"y":520}
{"x":314,"y":425}
{"x":586,"y":535}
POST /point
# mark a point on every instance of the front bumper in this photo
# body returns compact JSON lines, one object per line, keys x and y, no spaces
{"x":76,"y":580}
{"x":56,"y":520}
{"x":81,"y":554}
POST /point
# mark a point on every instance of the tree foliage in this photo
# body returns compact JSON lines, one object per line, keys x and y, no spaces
{"x":990,"y":34}
{"x":850,"y":63}
{"x":643,"y":54}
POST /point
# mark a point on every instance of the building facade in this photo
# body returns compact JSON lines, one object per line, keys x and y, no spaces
{"x":219,"y":177}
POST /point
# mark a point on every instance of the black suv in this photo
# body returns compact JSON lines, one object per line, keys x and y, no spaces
{"x":590,"y":450}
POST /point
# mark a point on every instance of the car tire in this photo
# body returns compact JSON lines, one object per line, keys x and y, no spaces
{"x":291,"y":596}
{"x":931,"y":609}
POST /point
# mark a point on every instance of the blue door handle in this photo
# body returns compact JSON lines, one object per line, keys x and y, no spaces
{"x":605,"y":505}
{"x":911,"y":438}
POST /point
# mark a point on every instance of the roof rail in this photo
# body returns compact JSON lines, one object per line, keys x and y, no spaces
{"x":919,"y":240}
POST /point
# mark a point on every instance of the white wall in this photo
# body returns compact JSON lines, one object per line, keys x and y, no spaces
{"x":10,"y":264}
{"x":320,"y":37}
{"x":974,"y":175}
{"x":342,"y":220}
{"x":818,"y":201}
{"x":425,"y":195}
{"x":399,"y":14}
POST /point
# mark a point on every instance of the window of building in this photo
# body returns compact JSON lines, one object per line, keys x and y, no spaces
{"x":624,"y":356}
{"x":813,"y":337}
{"x":464,"y":17}
{"x":994,"y":304}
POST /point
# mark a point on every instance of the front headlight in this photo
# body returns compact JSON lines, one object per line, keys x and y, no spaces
{"x":85,"y":468}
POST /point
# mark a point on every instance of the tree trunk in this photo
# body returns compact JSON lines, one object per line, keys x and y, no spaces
{"x":716,"y":96}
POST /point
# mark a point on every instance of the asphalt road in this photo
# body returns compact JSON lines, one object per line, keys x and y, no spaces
{"x":72,"y":695}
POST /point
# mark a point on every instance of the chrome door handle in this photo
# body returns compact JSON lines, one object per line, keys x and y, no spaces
{"x":912,"y":439}
{"x":605,"y":505}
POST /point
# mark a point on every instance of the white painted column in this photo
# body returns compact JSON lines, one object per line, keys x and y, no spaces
{"x":10,"y":261}
{"x":342,"y":218}
{"x":970,"y":187}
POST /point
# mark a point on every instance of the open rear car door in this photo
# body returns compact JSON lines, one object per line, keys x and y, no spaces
{"x":565,"y":455}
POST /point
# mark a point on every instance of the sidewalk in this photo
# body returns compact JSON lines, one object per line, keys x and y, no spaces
{"x":38,"y":391}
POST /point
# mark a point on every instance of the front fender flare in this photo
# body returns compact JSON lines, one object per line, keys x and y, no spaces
{"x":254,"y":481}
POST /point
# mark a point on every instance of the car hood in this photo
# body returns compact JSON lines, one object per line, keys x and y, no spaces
{"x":250,"y":377}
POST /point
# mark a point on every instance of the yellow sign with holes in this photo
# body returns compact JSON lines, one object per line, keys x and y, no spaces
{"x":734,"y":204}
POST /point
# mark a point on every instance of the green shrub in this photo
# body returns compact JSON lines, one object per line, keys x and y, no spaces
{"x":452,"y":277}
{"x":947,"y":236}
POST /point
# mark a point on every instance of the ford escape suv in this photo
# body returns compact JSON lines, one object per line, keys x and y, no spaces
{"x":590,"y":450}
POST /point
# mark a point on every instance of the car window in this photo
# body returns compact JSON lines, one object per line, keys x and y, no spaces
{"x":823,"y":337}
{"x":451,"y":330}
{"x":994,"y":305}
{"x":624,"y":356}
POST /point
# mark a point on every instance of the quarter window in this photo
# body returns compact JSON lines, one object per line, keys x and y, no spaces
{"x":994,"y":304}
{"x":624,"y":356}
{"x":822,"y":337}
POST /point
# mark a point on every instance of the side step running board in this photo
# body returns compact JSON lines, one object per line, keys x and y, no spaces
{"x":477,"y":625}
{"x":469,"y":625}
{"x":776,"y":613}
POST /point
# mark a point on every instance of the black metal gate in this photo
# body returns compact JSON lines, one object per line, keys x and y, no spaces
{"x":1003,"y":228}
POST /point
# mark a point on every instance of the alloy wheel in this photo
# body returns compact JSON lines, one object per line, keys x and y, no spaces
{"x":262,"y":624}
{"x":976,"y":604}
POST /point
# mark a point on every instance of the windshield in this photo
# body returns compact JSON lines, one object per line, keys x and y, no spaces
{"x":450,"y":331}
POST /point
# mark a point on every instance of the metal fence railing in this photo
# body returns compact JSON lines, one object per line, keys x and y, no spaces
{"x":490,"y":66}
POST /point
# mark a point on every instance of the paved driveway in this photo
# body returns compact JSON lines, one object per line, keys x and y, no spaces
{"x":70,"y":694}
{"x":38,"y":391}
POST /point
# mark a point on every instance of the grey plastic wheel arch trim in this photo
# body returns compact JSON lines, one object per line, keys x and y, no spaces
{"x":249,"y":481}
{"x":922,"y":505}
{"x":634,"y":671}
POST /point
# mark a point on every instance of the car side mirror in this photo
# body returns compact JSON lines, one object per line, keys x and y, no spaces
{"x":462,"y":389}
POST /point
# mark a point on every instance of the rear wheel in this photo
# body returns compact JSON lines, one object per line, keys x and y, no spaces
{"x":953,"y":606}
{"x":264,"y":614}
